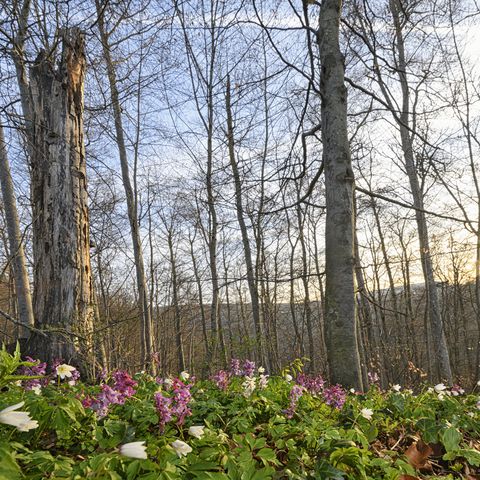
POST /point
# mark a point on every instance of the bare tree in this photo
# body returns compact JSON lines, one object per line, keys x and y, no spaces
{"x":340,"y":305}
{"x":22,"y":282}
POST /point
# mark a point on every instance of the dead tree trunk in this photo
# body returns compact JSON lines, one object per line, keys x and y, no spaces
{"x":22,"y":284}
{"x":340,"y":305}
{"x":63,"y":296}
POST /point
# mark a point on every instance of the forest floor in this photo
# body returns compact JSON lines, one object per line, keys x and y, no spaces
{"x":241,"y":424}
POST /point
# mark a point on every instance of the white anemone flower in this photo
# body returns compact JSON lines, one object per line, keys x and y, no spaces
{"x":397,"y":387}
{"x":197,"y":431}
{"x":248,"y":386}
{"x":134,"y":450}
{"x":65,"y":371}
{"x":288,"y":377}
{"x":21,"y":420}
{"x":184,"y":376}
{"x":366,"y":413}
{"x":36,"y":389}
{"x":261,"y":370}
{"x":181,"y":448}
{"x":440,"y":387}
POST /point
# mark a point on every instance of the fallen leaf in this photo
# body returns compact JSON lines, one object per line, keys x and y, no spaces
{"x":417,"y":454}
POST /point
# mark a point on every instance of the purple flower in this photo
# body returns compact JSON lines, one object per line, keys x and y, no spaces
{"x":248,"y":368}
{"x":334,"y":396}
{"x":313,"y":385}
{"x":295,"y":393}
{"x":221,"y":379}
{"x":122,"y":389}
{"x":175,"y":406}
{"x":373,"y":377}
{"x":235,"y":367}
{"x":40,"y":368}
{"x":124,"y":383}
{"x":162,"y":404}
{"x":181,"y":398}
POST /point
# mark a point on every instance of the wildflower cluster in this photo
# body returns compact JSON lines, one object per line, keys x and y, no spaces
{"x":295,"y":393}
{"x":313,"y":385}
{"x":221,"y":379}
{"x":38,"y":369}
{"x":334,"y":396}
{"x":122,"y":389}
{"x":246,"y":370}
{"x":176,"y":405}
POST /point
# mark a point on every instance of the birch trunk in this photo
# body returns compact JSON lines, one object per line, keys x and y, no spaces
{"x":340,"y":305}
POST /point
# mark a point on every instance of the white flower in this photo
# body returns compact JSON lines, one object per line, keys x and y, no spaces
{"x":134,"y":450}
{"x":261,"y":370}
{"x":184,"y":376}
{"x":288,"y":377}
{"x":352,"y":390}
{"x":25,"y":427}
{"x":263,"y":381}
{"x":168,"y":382}
{"x":366,"y":413}
{"x":441,"y":396}
{"x":181,"y":448}
{"x":478,"y":383}
{"x":429,"y":390}
{"x":36,"y":389}
{"x":18,"y":383}
{"x":248,"y":386}
{"x":197,"y":431}
{"x":439,"y":387}
{"x":65,"y":370}
{"x":397,"y":387}
{"x":470,"y":414}
{"x":21,"y":420}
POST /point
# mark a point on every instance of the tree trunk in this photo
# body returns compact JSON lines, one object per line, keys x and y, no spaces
{"x":340,"y":305}
{"x":441,"y":354}
{"x":63,"y":296}
{"x":252,"y":284}
{"x":145,"y":318}
{"x":22,"y":285}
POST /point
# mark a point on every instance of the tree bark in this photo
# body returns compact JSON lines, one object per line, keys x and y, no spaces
{"x":340,"y":304}
{"x":22,"y":283}
{"x":63,"y":296}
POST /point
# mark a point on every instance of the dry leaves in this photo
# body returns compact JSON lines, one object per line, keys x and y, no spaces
{"x":417,"y":454}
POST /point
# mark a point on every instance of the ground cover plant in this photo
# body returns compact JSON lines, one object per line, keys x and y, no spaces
{"x":240,"y":424}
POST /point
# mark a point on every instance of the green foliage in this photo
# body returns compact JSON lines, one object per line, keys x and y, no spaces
{"x":9,"y":364}
{"x":244,"y":438}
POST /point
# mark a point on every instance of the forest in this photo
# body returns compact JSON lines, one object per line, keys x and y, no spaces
{"x":239,"y":239}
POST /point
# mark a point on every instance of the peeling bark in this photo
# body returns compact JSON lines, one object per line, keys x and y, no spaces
{"x":63,"y":296}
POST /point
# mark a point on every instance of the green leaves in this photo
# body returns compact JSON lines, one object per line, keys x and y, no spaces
{"x":245,"y":438}
{"x":451,"y":439}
